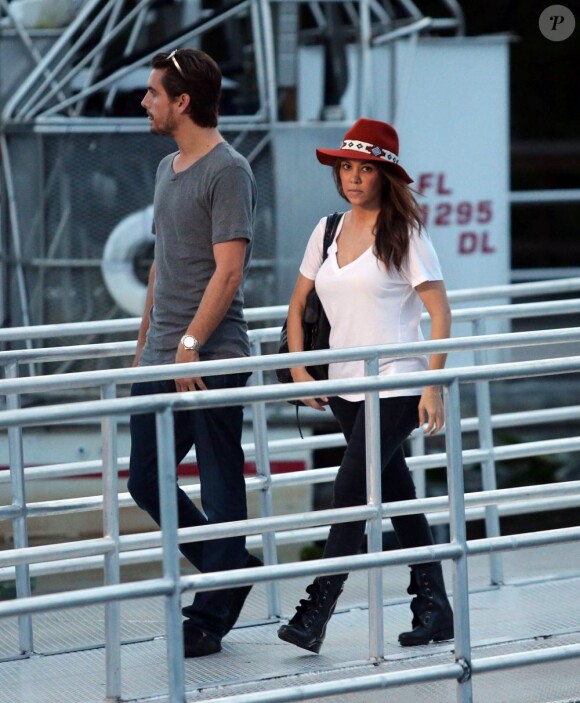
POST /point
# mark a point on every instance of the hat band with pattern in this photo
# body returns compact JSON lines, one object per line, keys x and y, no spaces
{"x":372,"y":149}
{"x":368,"y":140}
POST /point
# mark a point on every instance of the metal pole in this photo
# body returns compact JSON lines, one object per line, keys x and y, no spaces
{"x":488,"y":472}
{"x":131,"y":42}
{"x":375,"y":524}
{"x":365,"y":92}
{"x":168,"y":509}
{"x":418,"y":449}
{"x":27,"y":41}
{"x":268,"y":54}
{"x":41,"y":97}
{"x":19,"y":523}
{"x":112,"y":567}
{"x":458,"y":536}
{"x":56,"y":50}
{"x":15,"y":234}
{"x":143,"y":60}
{"x":98,"y":58}
{"x":260,"y":425}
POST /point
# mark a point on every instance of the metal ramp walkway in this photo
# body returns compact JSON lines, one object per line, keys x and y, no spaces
{"x":537,"y":608}
{"x":518,"y":641}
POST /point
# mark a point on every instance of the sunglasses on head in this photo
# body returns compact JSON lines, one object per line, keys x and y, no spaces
{"x":172,"y":57}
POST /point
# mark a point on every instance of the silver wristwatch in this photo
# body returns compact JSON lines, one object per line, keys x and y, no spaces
{"x":190,"y":342}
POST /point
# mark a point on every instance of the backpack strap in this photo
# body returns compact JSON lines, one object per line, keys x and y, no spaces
{"x":329,"y":234}
{"x":330,"y":231}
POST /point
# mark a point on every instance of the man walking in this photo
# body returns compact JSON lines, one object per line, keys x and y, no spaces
{"x":204,"y":207}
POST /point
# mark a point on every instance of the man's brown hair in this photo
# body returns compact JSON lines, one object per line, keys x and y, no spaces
{"x":193,"y":72}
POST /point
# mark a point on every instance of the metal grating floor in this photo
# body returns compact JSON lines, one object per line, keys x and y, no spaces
{"x":537,"y":608}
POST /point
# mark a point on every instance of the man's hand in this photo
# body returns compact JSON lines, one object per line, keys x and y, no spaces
{"x":138,"y":353}
{"x":188,"y":356}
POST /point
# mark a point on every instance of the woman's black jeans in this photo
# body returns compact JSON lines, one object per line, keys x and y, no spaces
{"x":399,"y":416}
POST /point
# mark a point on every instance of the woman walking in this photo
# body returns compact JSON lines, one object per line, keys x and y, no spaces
{"x":380,"y":271}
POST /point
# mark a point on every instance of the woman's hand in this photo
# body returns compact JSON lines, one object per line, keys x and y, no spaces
{"x":431,"y":413}
{"x":434,"y":297}
{"x":301,"y":375}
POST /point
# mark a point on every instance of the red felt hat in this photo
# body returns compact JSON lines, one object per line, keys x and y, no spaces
{"x":368,"y":140}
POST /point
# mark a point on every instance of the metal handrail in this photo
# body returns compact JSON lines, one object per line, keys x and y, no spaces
{"x":569,"y":490}
{"x":335,"y":439}
{"x":278,"y":312}
{"x":257,"y":484}
{"x":171,"y":585}
{"x":271,"y":362}
{"x":289,"y":529}
{"x":326,"y":475}
{"x":484,"y":455}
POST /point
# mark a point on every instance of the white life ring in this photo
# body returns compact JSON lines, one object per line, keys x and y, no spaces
{"x":118,"y":263}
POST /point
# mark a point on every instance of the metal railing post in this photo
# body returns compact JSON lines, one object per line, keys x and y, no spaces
{"x":458,"y":536}
{"x":268,"y":54}
{"x":112,"y":568}
{"x":375,"y":525}
{"x":488,"y":471}
{"x":365,"y":93}
{"x":260,"y":426}
{"x":170,"y":545}
{"x":418,"y":449}
{"x":19,"y":523}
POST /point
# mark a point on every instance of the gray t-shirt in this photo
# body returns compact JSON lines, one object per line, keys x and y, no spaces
{"x":212,"y":201}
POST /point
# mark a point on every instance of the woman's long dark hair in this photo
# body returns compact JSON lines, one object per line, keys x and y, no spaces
{"x":399,"y":215}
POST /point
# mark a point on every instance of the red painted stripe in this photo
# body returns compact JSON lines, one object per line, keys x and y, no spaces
{"x":276,"y":467}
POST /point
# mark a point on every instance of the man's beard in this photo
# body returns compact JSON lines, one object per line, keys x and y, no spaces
{"x":165,"y":129}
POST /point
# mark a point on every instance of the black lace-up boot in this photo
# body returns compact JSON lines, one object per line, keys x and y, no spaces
{"x":308,"y":627}
{"x":432,"y":614}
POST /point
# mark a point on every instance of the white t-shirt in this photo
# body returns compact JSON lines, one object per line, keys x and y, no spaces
{"x":368,"y":305}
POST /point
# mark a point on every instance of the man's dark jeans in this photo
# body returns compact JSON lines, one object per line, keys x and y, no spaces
{"x":216,"y":434}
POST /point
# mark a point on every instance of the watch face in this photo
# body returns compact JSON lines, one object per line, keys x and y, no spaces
{"x":188,"y":342}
